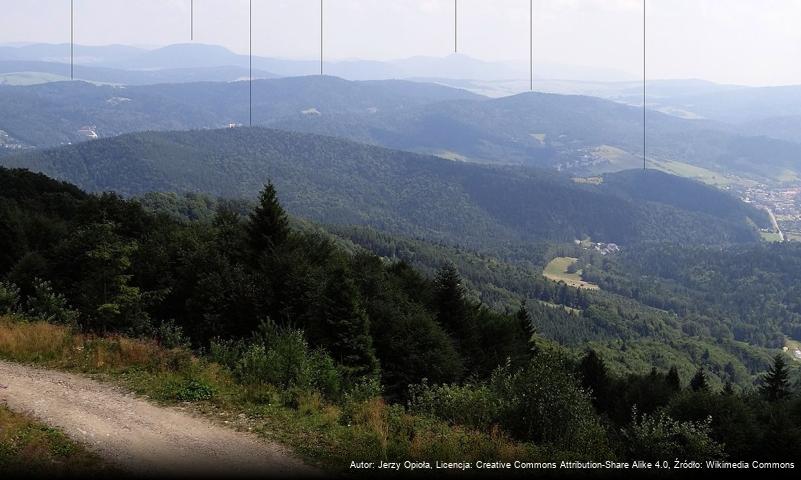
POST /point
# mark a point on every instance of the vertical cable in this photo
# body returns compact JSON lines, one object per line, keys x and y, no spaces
{"x":72,"y":39}
{"x":531,"y":42}
{"x":321,"y":37}
{"x":192,"y":20}
{"x":250,"y":39}
{"x":455,"y":26}
{"x":644,"y":92}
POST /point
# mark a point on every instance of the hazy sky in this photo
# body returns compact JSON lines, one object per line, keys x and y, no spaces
{"x":755,"y":42}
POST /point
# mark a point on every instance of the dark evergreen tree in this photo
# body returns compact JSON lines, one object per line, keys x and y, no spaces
{"x":595,"y":377}
{"x":449,"y":296}
{"x":728,"y":388}
{"x":268,"y":225}
{"x":526,"y":325}
{"x":775,"y":385}
{"x":673,"y":380}
{"x":347,"y":327}
{"x":699,"y":382}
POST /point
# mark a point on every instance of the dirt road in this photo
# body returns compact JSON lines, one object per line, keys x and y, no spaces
{"x":137,"y":436}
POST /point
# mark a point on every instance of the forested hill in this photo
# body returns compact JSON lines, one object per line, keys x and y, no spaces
{"x":580,"y":134}
{"x":341,"y":182}
{"x":52,"y":114}
{"x":655,"y":187}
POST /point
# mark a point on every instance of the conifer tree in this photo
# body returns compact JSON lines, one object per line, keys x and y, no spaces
{"x":527,"y":328}
{"x":673,"y":380}
{"x":595,"y":377}
{"x":449,"y":296}
{"x":347,"y":326}
{"x":452,"y":312}
{"x":523,"y":317}
{"x":775,"y":385}
{"x":268,"y":226}
{"x":699,"y":382}
{"x":728,"y":388}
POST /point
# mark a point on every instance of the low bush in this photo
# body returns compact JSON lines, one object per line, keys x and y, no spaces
{"x":541,"y":403}
{"x":282,"y":358}
{"x":660,"y":436}
{"x":49,"y":306}
{"x":9,"y":298}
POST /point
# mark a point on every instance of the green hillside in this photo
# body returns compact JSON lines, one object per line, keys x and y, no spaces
{"x":340,"y":182}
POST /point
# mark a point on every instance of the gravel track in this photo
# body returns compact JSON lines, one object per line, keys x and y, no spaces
{"x":138,"y":437}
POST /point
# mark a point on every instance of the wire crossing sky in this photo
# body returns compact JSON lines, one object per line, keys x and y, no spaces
{"x":751,"y":42}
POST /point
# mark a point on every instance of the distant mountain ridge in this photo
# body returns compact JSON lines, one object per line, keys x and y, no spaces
{"x":198,"y":55}
{"x":108,"y":75}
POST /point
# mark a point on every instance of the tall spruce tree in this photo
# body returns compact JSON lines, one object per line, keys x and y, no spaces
{"x":775,"y":384}
{"x":595,"y":377}
{"x":449,"y":296}
{"x":453,"y":313}
{"x":728,"y":388}
{"x":699,"y":382}
{"x":268,"y":226}
{"x":347,"y":326}
{"x":526,"y":326}
{"x":673,"y":380}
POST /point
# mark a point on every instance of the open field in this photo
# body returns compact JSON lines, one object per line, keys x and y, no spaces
{"x":691,"y":171}
{"x":29,"y":78}
{"x":556,"y":270}
{"x":771,"y":236}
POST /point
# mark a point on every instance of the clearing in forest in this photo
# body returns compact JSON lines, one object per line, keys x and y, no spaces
{"x":558,"y":270}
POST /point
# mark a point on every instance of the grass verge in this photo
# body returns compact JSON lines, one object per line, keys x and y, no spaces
{"x":28,"y":448}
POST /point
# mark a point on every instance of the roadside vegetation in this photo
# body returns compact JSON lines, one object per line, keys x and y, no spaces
{"x":28,"y":448}
{"x":286,"y":391}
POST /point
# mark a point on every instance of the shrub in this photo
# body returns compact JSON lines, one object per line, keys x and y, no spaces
{"x":547,"y":405}
{"x":659,"y":436}
{"x":9,"y":298}
{"x":171,"y":335}
{"x":542,"y":403}
{"x":49,"y":306}
{"x":226,"y":352}
{"x":365,"y":389}
{"x":470,"y":405}
{"x":184,"y":389}
{"x":281,"y":358}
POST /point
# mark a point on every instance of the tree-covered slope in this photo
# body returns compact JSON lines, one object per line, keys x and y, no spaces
{"x":53,"y":113}
{"x":342,"y":182}
{"x":568,"y":132}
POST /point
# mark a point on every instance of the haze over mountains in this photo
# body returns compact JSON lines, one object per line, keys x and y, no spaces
{"x":756,"y":111}
{"x":200,"y":56}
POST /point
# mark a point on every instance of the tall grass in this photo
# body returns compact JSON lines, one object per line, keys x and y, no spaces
{"x":59,"y":347}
